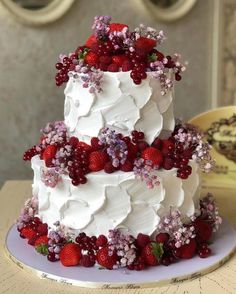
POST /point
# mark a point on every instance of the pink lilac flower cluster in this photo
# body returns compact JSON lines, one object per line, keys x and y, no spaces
{"x":210,"y":211}
{"x":178,"y":231}
{"x":117,"y":148}
{"x":161,"y":72}
{"x":28,"y":212}
{"x":91,"y":78}
{"x":50,"y":176}
{"x":190,"y":136}
{"x":144,"y":170}
{"x":100,"y":26}
{"x":124,"y":247}
{"x":57,"y":239}
{"x":53,"y":133}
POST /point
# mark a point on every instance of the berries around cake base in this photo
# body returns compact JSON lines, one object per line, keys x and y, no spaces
{"x":118,"y":250}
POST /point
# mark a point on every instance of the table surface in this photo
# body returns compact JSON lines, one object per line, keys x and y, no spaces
{"x":14,"y":280}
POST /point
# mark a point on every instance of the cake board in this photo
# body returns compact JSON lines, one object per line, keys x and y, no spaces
{"x":24,"y":256}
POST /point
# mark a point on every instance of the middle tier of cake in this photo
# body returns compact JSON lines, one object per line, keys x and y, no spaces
{"x":118,"y":200}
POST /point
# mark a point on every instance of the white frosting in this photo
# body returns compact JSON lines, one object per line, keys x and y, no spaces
{"x":116,"y":200}
{"x":121,"y":105}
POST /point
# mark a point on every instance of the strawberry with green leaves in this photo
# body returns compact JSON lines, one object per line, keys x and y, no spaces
{"x":152,"y":253}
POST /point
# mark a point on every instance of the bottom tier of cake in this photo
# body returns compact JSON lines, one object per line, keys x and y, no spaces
{"x":117,"y":200}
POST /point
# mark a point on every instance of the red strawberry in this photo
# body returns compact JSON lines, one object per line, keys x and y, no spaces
{"x":49,"y":152}
{"x":152,"y":253}
{"x":28,"y":233}
{"x":32,"y":240}
{"x":145,"y":45}
{"x":113,"y":67}
{"x":119,"y":59}
{"x":101,"y":241}
{"x":127,"y":65}
{"x":41,"y":240}
{"x":91,"y":58}
{"x":85,"y":146}
{"x":154,"y":155}
{"x":70,"y":254}
{"x":188,"y":250}
{"x":142,"y":240}
{"x":203,"y":230}
{"x":127,"y":166}
{"x":97,"y":160}
{"x":118,"y":27}
{"x":91,"y":41}
{"x":42,"y":229}
{"x":105,"y":259}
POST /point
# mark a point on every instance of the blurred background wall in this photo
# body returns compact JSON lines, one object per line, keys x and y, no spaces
{"x":28,"y":95}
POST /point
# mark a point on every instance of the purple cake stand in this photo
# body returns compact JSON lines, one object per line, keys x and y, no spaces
{"x":28,"y":259}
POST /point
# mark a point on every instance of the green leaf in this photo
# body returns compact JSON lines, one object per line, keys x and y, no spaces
{"x":157,"y":250}
{"x":152,"y":57}
{"x":42,"y":249}
{"x":83,"y":54}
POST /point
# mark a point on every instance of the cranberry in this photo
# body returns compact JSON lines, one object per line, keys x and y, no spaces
{"x":204,"y":253}
{"x":51,"y":257}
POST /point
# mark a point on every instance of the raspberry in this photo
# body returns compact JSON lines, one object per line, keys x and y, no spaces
{"x":188,"y":250}
{"x":127,"y":166}
{"x":73,"y":141}
{"x":168,"y":163}
{"x":157,"y":143}
{"x":113,"y":67}
{"x":42,"y":229}
{"x":109,"y":168}
{"x":87,"y":260}
{"x":162,"y":238}
{"x":127,"y":65}
{"x":142,"y":145}
{"x":95,"y":144}
{"x":105,"y":59}
{"x":101,"y":241}
{"x":119,"y":59}
{"x":142,"y":240}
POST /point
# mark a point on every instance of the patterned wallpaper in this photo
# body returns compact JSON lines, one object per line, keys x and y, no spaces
{"x":28,"y":96}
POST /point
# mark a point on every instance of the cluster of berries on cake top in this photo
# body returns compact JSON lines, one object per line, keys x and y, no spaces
{"x":113,"y":47}
{"x":173,"y":241}
{"x":111,"y":152}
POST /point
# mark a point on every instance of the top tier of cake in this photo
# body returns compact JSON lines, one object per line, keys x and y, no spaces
{"x":120,"y":105}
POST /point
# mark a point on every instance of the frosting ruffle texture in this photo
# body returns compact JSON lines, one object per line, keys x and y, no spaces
{"x":121,"y":105}
{"x":113,"y":201}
